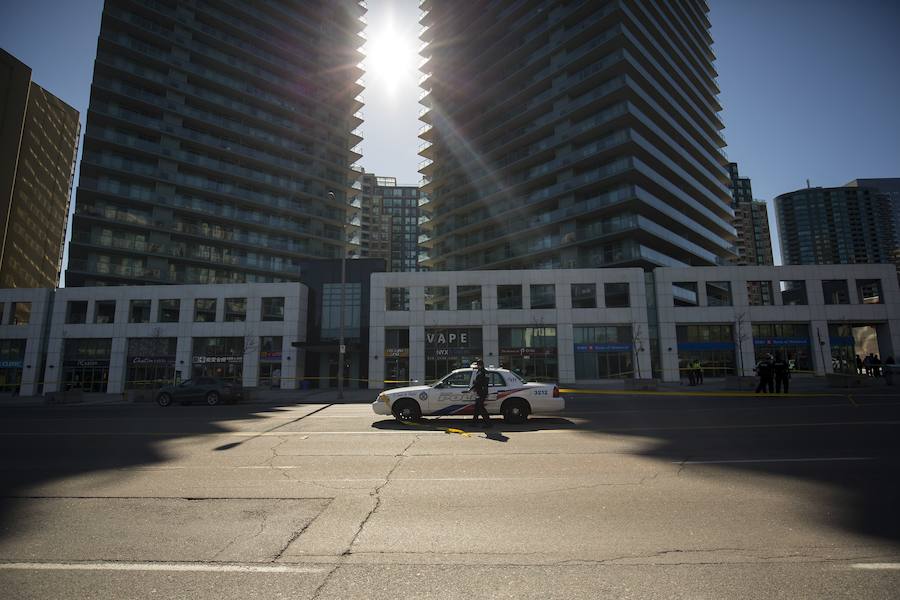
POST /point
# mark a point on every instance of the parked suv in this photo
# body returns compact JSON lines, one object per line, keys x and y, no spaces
{"x":210,"y":390}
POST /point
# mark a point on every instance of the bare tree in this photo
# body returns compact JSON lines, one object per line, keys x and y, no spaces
{"x":740,"y":335}
{"x":637,"y":346}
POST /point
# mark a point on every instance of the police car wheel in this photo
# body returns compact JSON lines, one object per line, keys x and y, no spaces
{"x":164,"y":399}
{"x":515,"y":411}
{"x":406,"y":410}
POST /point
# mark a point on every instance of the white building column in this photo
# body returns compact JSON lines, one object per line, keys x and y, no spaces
{"x":117,"y":365}
{"x":668,"y":348}
{"x":417,"y":354}
{"x":376,"y":357}
{"x":820,"y":346}
{"x":565,"y":352}
{"x":490,"y":345}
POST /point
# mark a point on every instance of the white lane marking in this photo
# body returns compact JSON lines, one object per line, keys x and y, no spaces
{"x":154,"y":566}
{"x":771,"y":460}
{"x":877,"y":566}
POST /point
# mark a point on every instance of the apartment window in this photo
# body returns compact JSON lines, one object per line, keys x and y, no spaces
{"x":235,"y":310}
{"x":685,"y":293}
{"x":718,"y":293}
{"x":273,"y":309}
{"x":759,"y":293}
{"x":139,"y":311}
{"x":468,"y":297}
{"x":509,"y":296}
{"x":104,"y":311}
{"x":543,"y":295}
{"x":169,"y":310}
{"x":397,"y":298}
{"x":836,"y":291}
{"x":869,"y":291}
{"x":584,"y":295}
{"x":204,"y":310}
{"x":20,"y":313}
{"x":331,"y":310}
{"x":437,"y":297}
{"x":793,"y":293}
{"x":616,"y":295}
{"x":76,"y":312}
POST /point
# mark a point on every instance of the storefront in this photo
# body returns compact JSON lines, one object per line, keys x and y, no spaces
{"x":86,"y":364}
{"x":450,"y":348}
{"x":12,"y":356}
{"x":396,"y":358}
{"x":151,"y":362}
{"x":530,"y":351}
{"x":603,"y":352}
{"x":843,"y":348}
{"x":712,"y":345}
{"x":788,"y":340}
{"x":270,"y":361}
{"x":219,"y":357}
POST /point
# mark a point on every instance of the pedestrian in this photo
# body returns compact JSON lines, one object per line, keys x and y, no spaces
{"x":480,"y":387}
{"x":782,"y":371}
{"x":698,"y":371}
{"x":889,"y":370}
{"x":876,"y":366}
{"x":692,"y":377}
{"x":867,"y":365}
{"x":764,"y":370}
{"x":859,"y":365}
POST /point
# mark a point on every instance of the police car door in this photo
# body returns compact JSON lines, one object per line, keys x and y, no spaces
{"x":496,"y":385}
{"x":453,"y":395}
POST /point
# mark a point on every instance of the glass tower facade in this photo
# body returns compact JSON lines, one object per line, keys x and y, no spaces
{"x":215,"y":132}
{"x":390,"y":222}
{"x":572,"y":134}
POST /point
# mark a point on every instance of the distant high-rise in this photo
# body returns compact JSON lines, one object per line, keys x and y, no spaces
{"x":751,"y":221}
{"x":215,"y":132}
{"x":572,"y":134}
{"x":839,"y":225}
{"x":390,"y":222}
{"x":38,"y":145}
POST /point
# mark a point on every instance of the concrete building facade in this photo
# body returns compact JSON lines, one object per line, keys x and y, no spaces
{"x":219,"y":142}
{"x":753,"y":245}
{"x":572,"y":135}
{"x":38,"y":145}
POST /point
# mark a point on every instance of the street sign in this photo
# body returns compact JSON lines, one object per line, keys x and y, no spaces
{"x":343,"y":349}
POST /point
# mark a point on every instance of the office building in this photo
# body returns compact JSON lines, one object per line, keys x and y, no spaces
{"x":891,"y":187}
{"x":581,"y":134}
{"x":751,"y":223}
{"x":389,"y":222}
{"x":219,"y":142}
{"x":38,"y":144}
{"x":839,"y":225}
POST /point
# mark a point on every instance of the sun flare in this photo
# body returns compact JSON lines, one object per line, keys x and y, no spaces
{"x":390,"y":59}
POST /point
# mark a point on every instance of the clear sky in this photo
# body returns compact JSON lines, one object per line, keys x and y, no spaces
{"x":810,"y":87}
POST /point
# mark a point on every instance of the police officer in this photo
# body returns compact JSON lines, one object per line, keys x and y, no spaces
{"x":480,"y":387}
{"x":782,"y":370}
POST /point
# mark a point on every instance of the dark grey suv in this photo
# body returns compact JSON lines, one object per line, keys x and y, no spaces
{"x":210,"y":390}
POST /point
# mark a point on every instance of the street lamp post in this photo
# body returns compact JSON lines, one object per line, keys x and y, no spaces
{"x":341,"y":347}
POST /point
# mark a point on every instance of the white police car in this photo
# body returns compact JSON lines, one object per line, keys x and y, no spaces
{"x":508,"y":394}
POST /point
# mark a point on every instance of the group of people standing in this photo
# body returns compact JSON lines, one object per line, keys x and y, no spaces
{"x":774,"y":374}
{"x":871,"y":366}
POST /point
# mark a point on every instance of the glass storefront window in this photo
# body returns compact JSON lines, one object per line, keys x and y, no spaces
{"x":86,"y":364}
{"x":603,"y":352}
{"x":543,"y":295}
{"x":104,"y":311}
{"x":718,"y":293}
{"x":759,"y":293}
{"x":331,"y":310}
{"x":12,"y":356}
{"x":270,"y":354}
{"x":509,"y":296}
{"x":397,"y":298}
{"x":616,"y":295}
{"x":584,"y":295}
{"x":836,"y":291}
{"x":139,"y":311}
{"x":843,"y":344}
{"x":449,"y":348}
{"x":204,"y":310}
{"x":437,"y":297}
{"x":468,"y":297}
{"x":396,"y":357}
{"x":273,"y":309}
{"x":530,"y":351}
{"x":712,"y":344}
{"x":169,"y":310}
{"x":220,"y":357}
{"x":793,"y":292}
{"x":151,"y":362}
{"x":790,"y":340}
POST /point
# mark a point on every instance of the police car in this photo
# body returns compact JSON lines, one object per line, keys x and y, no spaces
{"x":508,"y":394}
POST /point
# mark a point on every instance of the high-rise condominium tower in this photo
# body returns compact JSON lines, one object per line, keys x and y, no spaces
{"x":390,"y":222}
{"x":215,"y":132}
{"x":572,"y":134}
{"x":751,"y":222}
{"x":38,"y":143}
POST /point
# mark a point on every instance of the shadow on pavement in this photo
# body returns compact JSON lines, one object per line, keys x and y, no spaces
{"x":532,"y":424}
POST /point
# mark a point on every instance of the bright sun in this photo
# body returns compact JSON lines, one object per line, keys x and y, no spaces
{"x":390,"y":59}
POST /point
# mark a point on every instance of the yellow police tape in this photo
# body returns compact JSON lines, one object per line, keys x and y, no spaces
{"x":694,"y":393}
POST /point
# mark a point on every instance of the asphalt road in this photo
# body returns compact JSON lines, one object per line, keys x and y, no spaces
{"x":619,"y":497}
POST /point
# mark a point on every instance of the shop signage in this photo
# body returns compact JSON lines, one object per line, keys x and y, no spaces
{"x":210,"y":360}
{"x":448,"y":339}
{"x":781,"y":342}
{"x":609,"y":347}
{"x":86,"y":363}
{"x":270,"y":355}
{"x":151,"y":360}
{"x":396,"y":352}
{"x":705,"y":346}
{"x":10,"y":364}
{"x":529,"y":351}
